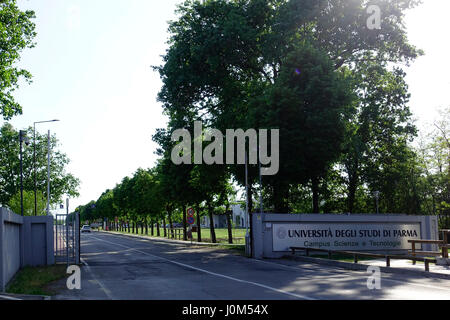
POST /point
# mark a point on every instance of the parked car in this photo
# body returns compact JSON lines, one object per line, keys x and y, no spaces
{"x":86,"y":228}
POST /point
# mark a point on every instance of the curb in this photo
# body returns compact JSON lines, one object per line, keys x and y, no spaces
{"x":20,"y":297}
{"x":206,"y":244}
{"x":363,"y":267}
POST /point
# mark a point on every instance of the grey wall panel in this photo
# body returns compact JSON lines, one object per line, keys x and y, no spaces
{"x":11,"y":258}
{"x":24,"y":241}
{"x":39,"y":244}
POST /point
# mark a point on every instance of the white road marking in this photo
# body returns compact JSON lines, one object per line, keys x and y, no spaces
{"x":9,"y":298}
{"x":211,"y":273}
{"x":107,"y":292}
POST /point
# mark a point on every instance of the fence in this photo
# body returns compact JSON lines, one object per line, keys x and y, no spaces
{"x":67,"y":238}
{"x":24,"y":241}
{"x":356,"y":254}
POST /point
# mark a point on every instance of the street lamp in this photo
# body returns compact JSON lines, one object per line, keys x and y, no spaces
{"x":34,"y":165}
{"x":377,"y":196}
{"x":22,"y":138}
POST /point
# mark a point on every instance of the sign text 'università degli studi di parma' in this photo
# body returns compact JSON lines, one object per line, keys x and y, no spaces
{"x":336,"y":236}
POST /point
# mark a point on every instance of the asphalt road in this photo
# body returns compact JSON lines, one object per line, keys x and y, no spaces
{"x":120,"y":267}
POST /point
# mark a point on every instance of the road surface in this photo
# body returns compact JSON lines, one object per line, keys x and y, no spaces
{"x":120,"y":267}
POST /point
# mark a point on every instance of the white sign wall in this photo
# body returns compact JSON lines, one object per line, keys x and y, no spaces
{"x":344,"y":236}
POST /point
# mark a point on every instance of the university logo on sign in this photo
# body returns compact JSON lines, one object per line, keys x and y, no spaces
{"x":281,"y":233}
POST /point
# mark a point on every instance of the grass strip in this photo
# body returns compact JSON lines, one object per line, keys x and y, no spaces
{"x":34,"y":280}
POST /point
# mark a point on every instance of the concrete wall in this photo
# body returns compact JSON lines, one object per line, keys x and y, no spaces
{"x":38,"y":241}
{"x":24,"y":241}
{"x":266,"y":228}
{"x":11,"y":250}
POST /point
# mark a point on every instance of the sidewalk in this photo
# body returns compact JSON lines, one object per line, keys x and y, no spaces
{"x":397,"y":266}
{"x":17,"y":297}
{"x":408,"y":265}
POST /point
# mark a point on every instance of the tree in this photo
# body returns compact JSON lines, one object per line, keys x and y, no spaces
{"x":175,"y":179}
{"x":146,"y":197}
{"x":62,"y":183}
{"x":16,"y":34}
{"x":105,"y":206}
{"x":87,"y":212}
{"x":122,"y":194}
{"x":28,"y":203}
{"x":310,"y":102}
{"x":378,"y":134}
{"x":210,"y":185}
{"x":231,"y":61}
{"x":434,"y":169}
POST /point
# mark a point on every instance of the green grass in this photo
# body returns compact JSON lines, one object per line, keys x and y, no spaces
{"x":221,"y":235}
{"x":34,"y":280}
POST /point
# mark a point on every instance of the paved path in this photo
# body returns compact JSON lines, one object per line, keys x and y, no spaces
{"x":120,"y":267}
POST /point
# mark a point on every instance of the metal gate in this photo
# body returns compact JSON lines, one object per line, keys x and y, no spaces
{"x":67,"y":238}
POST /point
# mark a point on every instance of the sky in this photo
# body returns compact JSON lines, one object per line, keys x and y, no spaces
{"x":92,"y":70}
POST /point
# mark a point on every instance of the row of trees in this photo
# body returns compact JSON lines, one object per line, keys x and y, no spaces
{"x":148,"y":201}
{"x":334,"y":88}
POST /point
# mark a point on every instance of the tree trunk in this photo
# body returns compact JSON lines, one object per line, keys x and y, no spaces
{"x":158,"y":233}
{"x":280,"y":192}
{"x":184,"y":223}
{"x":230,"y":230}
{"x":172,"y":233}
{"x":315,"y":191}
{"x":352,"y":171}
{"x":164,"y":227}
{"x":351,"y":194}
{"x":199,"y":228}
{"x":229,"y":226}
{"x":151,"y":227}
{"x":146,"y":227}
{"x":133,"y":227}
{"x":250,"y":199}
{"x":211,"y":224}
{"x":169,"y":215}
{"x":142,"y":227}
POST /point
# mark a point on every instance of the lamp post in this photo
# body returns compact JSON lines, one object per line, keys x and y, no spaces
{"x":34,"y":164}
{"x":22,"y":138}
{"x":377,"y":196}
